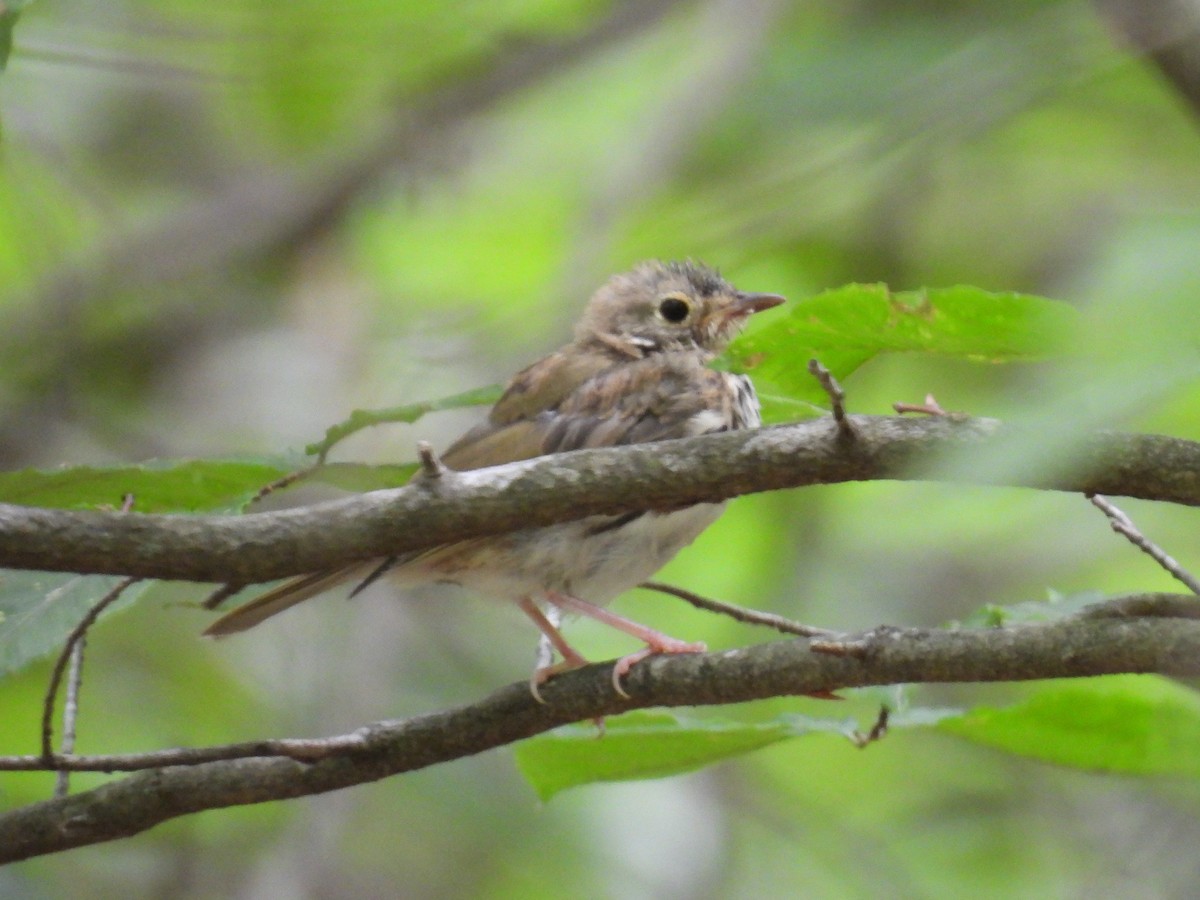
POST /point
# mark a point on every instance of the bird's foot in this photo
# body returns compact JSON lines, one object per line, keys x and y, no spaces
{"x":660,"y":643}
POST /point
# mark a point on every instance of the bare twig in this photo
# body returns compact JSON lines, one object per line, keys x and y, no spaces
{"x":62,"y":784}
{"x":1122,"y":524}
{"x":877,"y":733}
{"x":180,"y":782}
{"x":431,"y":466}
{"x":60,"y":665}
{"x":280,"y":483}
{"x":300,"y":749}
{"x":837,"y":397}
{"x":929,"y":408}
{"x":739,"y":613}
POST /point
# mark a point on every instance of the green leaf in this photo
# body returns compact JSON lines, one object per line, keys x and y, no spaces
{"x":846,"y":327}
{"x":39,"y":609}
{"x":646,"y":745}
{"x":156,"y":486}
{"x":183,"y":486}
{"x":408,"y":413}
{"x":1131,"y":724}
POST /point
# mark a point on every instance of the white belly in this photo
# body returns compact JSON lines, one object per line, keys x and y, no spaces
{"x":582,"y":559}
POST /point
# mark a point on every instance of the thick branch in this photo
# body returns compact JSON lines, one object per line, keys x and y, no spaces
{"x":1085,"y":645}
{"x":263,"y":546}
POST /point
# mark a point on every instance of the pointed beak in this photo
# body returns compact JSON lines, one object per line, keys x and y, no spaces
{"x":724,"y":323}
{"x":748,"y":304}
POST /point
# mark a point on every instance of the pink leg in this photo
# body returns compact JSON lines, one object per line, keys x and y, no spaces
{"x":656,"y":641}
{"x":571,"y":658}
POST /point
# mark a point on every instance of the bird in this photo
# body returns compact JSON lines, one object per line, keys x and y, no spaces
{"x":635,"y":372}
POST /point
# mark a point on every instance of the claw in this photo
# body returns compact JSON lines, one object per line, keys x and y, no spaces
{"x":661,"y":644}
{"x":543,"y":674}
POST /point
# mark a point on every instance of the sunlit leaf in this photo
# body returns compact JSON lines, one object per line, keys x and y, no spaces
{"x":157,"y":486}
{"x":846,"y":327}
{"x":1132,"y":724}
{"x":636,"y":746}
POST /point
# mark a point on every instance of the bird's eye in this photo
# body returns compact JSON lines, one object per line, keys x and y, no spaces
{"x":674,"y":309}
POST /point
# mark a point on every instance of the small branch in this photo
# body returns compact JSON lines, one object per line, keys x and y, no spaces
{"x":260,"y":772}
{"x":431,"y":466}
{"x":304,"y":750}
{"x":739,"y":613}
{"x":929,"y":408}
{"x":62,"y":784}
{"x":1123,"y":525}
{"x":877,"y":733}
{"x":837,"y":397}
{"x":280,"y":483}
{"x":60,"y":665}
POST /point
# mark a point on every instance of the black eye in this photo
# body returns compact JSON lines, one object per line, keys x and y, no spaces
{"x":674,"y":309}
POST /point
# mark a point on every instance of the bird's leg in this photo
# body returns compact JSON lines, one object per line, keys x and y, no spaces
{"x":571,"y":658}
{"x":656,"y":641}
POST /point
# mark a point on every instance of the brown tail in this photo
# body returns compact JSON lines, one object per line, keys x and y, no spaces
{"x":283,"y":597}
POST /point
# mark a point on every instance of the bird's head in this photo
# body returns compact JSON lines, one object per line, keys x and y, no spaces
{"x":668,"y":306}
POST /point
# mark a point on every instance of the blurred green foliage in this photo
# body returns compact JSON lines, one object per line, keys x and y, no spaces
{"x":224,"y":225}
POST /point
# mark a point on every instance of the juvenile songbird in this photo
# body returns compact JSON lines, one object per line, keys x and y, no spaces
{"x":635,"y":372}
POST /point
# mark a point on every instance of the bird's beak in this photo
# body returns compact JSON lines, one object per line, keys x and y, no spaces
{"x":748,"y":304}
{"x":725,"y":322}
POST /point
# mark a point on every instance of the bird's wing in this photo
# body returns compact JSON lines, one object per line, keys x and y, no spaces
{"x":284,"y":597}
{"x":670,"y":395}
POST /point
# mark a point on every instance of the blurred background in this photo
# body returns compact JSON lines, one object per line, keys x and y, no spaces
{"x":225,"y":224}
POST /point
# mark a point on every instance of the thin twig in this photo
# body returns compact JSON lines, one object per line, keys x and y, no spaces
{"x":1099,"y":646}
{"x":929,"y":408}
{"x":877,"y":733}
{"x":300,"y":749}
{"x":285,"y":481}
{"x":837,"y":397}
{"x":740,"y":613}
{"x":60,"y":665}
{"x":895,"y":655}
{"x":1123,"y":525}
{"x":431,"y":466}
{"x":62,"y":784}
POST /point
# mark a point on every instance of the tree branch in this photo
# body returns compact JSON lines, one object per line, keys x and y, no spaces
{"x":663,"y":475}
{"x":1091,"y":643}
